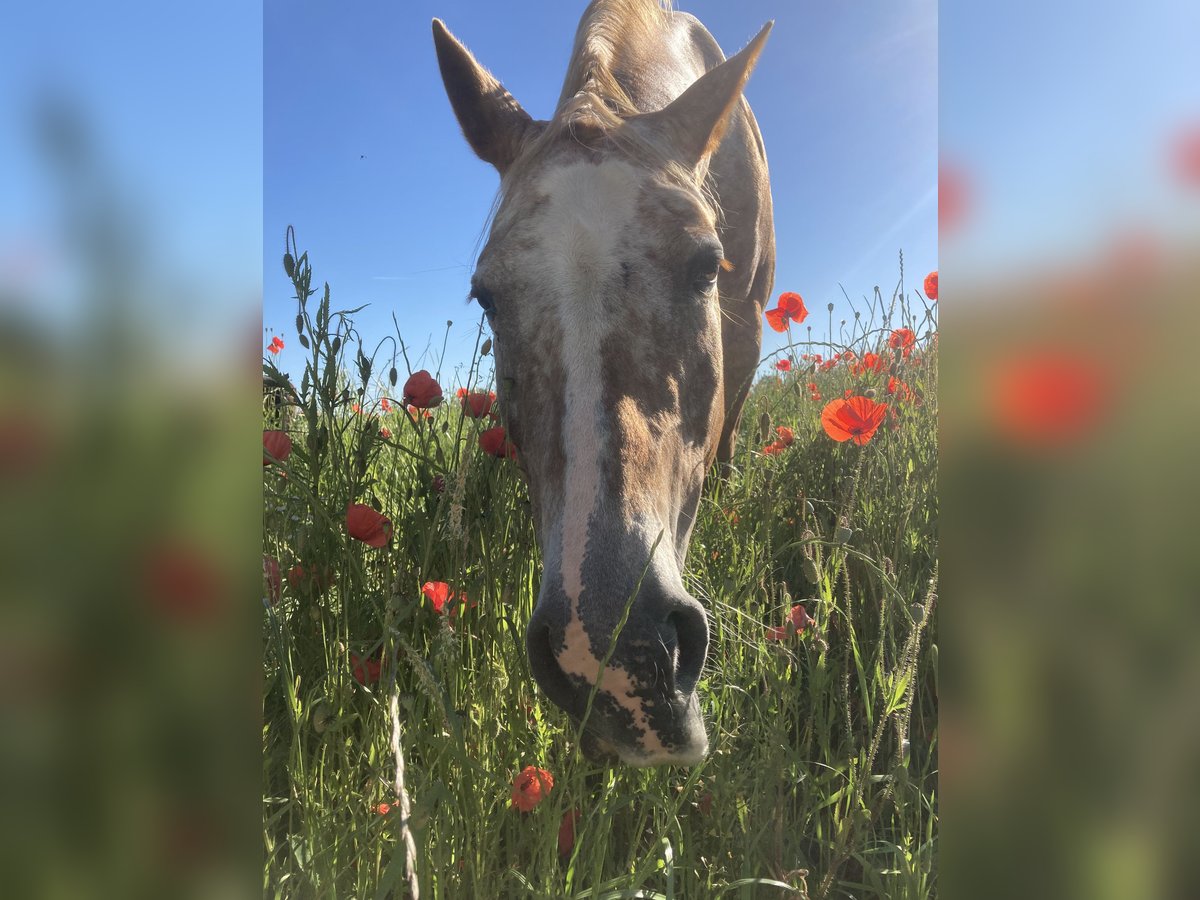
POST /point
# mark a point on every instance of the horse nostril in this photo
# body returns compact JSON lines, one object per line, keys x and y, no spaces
{"x":546,"y":670}
{"x":691,"y":640}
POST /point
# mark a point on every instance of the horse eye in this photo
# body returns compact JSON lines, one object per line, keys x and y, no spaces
{"x":706,"y":272}
{"x":484,"y":298}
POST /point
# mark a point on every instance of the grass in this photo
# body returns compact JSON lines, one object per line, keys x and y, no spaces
{"x":822,"y":781}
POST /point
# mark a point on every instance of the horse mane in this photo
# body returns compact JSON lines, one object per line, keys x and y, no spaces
{"x":606,"y":24}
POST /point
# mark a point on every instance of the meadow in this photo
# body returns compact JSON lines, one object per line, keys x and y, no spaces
{"x":400,"y":568}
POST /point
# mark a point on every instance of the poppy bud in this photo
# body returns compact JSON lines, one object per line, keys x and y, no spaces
{"x":299,"y":323}
{"x":322,"y":715}
{"x":809,"y":568}
{"x":303,"y":342}
{"x":335,"y":345}
{"x":486,"y":348}
{"x":869,"y":393}
{"x":830,"y":307}
{"x":289,"y":265}
{"x":764,"y":427}
{"x":393,"y":376}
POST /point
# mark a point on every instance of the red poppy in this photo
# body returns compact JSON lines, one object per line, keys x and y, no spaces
{"x":798,"y":619}
{"x":461,"y":604}
{"x":438,"y":484}
{"x":413,"y":412}
{"x":855,"y":419}
{"x":383,"y":808}
{"x":183,"y":581}
{"x":438,"y":593}
{"x":366,"y":671}
{"x":902,"y":391}
{"x":774,"y":449}
{"x":784,"y":365}
{"x":952,"y":198}
{"x":566,"y":831}
{"x":786,"y":435}
{"x":385,"y":405}
{"x":902,"y":339}
{"x":368,"y":526}
{"x":789,"y":308}
{"x":310,"y":579}
{"x":275,"y":346}
{"x":476,"y":404}
{"x":494,"y":442}
{"x":422,"y":391}
{"x":871,"y":362}
{"x":384,"y":433}
{"x":1048,"y":397}
{"x":278,"y":445}
{"x":1186,"y":156}
{"x":272,"y":577}
{"x":531,"y":787}
{"x":931,"y":285}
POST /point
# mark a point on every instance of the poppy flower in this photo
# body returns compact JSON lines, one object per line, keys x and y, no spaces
{"x":902,"y":391}
{"x":422,"y":391}
{"x":306,"y":579}
{"x":495,"y":443}
{"x":366,"y":671}
{"x":275,"y":346}
{"x":1046,"y":397}
{"x":786,"y":435}
{"x":368,"y":526}
{"x":476,"y":404}
{"x":182,"y":581}
{"x":566,"y":831}
{"x":931,"y":285}
{"x":789,"y":308}
{"x":856,"y":419}
{"x":278,"y":445}
{"x":902,"y":339}
{"x":871,"y":362}
{"x":273,"y":579}
{"x":798,"y":619}
{"x":384,"y":433}
{"x":438,"y":484}
{"x":784,"y":365}
{"x":385,"y":405}
{"x":952,"y":198}
{"x":775,"y":448}
{"x":1186,"y":157}
{"x":461,"y":604}
{"x":531,"y":787}
{"x":438,"y":592}
{"x":383,"y":808}
{"x":413,"y":412}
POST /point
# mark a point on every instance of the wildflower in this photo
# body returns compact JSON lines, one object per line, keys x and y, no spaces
{"x":566,"y":831}
{"x":931,"y":285}
{"x":366,"y":671}
{"x":183,"y":582}
{"x":310,"y":579}
{"x":356,"y":409}
{"x":385,"y":433}
{"x":798,"y":619}
{"x":495,"y":443}
{"x":275,"y":346}
{"x":385,"y":404}
{"x":422,"y":391}
{"x":789,"y":308}
{"x":476,"y":404}
{"x":855,"y":419}
{"x":786,"y":435}
{"x":774,"y":449}
{"x":1047,"y":397}
{"x":272,"y":577}
{"x":784,"y":365}
{"x":277,"y":447}
{"x":368,"y":526}
{"x":902,"y":339}
{"x":438,"y":484}
{"x":531,"y":787}
{"x":414,"y":413}
{"x":383,"y":808}
{"x":437,"y":592}
{"x":871,"y":362}
{"x":461,"y":604}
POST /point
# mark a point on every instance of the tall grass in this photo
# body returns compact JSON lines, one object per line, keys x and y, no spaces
{"x":822,"y":776}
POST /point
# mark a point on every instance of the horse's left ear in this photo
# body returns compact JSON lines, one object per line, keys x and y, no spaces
{"x":695,"y":122}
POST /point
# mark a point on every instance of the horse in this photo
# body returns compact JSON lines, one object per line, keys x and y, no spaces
{"x":630,"y":254}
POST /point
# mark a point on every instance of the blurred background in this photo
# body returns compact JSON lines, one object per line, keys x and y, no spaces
{"x":131,"y":288}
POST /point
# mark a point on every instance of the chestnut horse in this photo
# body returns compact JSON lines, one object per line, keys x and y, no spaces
{"x":627,"y":265}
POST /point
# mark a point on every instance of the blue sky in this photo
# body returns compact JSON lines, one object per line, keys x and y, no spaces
{"x":363,"y":156}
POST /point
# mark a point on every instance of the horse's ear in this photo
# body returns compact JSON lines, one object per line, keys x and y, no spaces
{"x":492,"y":121}
{"x":695,"y":122}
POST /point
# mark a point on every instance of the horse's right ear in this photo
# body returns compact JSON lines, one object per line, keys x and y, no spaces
{"x":492,"y":121}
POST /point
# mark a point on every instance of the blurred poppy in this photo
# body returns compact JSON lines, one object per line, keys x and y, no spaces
{"x":952,"y":198}
{"x":384,"y":433}
{"x":495,"y":443}
{"x":931,"y":285}
{"x":366,"y":671}
{"x":385,"y":405}
{"x":413,"y":412}
{"x":368,"y":526}
{"x":276,"y":345}
{"x":1186,"y":157}
{"x":356,"y":409}
{"x":278,"y":445}
{"x":184,"y":582}
{"x":856,"y":419}
{"x":306,"y":579}
{"x":421,"y":390}
{"x":786,"y":435}
{"x":272,"y":578}
{"x":531,"y":787}
{"x":902,"y":339}
{"x":798,"y":619}
{"x":383,"y":808}
{"x":566,"y":831}
{"x":784,"y":365}
{"x":1048,"y":397}
{"x":774,"y":448}
{"x":476,"y":404}
{"x":438,"y":484}
{"x":438,"y":592}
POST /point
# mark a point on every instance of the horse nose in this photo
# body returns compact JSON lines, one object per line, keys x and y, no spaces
{"x":542,"y":638}
{"x":685,"y":628}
